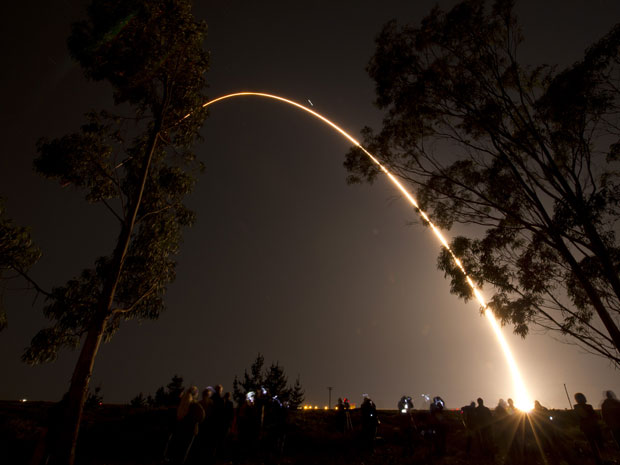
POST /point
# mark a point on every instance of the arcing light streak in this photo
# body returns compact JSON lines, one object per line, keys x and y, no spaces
{"x":522,"y":399}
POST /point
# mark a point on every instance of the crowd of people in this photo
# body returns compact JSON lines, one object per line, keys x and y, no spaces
{"x":519,"y":434}
{"x":203,"y":426}
{"x":515,"y":430}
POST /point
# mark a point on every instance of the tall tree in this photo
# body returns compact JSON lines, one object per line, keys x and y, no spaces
{"x":139,"y":165}
{"x":528,"y":155}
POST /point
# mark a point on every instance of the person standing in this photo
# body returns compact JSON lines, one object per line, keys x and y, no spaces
{"x":588,"y":422}
{"x":189,"y":416}
{"x":369,"y":422}
{"x":484,"y":421}
{"x":610,"y":410}
{"x":468,"y":417}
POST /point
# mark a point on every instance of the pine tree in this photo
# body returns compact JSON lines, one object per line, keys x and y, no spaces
{"x":273,"y":379}
{"x":296,"y":397}
{"x":139,"y":401}
{"x":276,"y":382}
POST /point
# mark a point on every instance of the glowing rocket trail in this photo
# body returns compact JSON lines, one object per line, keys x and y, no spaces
{"x":522,"y":399}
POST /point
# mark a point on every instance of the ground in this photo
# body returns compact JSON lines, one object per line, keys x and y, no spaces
{"x":122,"y":435}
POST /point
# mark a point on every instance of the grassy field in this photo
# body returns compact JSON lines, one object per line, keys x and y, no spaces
{"x":121,"y":435}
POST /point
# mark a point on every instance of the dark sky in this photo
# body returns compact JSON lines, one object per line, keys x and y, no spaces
{"x":332,"y":281}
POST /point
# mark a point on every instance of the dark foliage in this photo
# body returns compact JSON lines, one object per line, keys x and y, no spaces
{"x":17,"y":255}
{"x":139,"y":163}
{"x":526,"y":155}
{"x":273,"y":379}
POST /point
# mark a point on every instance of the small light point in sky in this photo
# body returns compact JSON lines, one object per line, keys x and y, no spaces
{"x":310,"y":102}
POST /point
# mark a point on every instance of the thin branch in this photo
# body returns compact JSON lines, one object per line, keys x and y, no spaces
{"x":32,"y":282}
{"x":109,"y":207}
{"x":118,"y":311}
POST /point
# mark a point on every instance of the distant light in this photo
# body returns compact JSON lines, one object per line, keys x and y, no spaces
{"x":326,"y":408}
{"x":316,"y":407}
{"x":404,"y":410}
{"x":23,"y":400}
{"x":550,"y":418}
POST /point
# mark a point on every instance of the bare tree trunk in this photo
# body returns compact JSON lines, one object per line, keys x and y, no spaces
{"x":78,"y":392}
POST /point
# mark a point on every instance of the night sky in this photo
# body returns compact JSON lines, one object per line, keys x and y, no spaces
{"x":337,"y":283}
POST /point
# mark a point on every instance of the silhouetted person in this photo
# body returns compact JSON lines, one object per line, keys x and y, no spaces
{"x":228,"y":418}
{"x":275,"y":427}
{"x":218,"y":425}
{"x":189,"y":415}
{"x":539,"y":408}
{"x":540,"y":420}
{"x":500,"y":411}
{"x":484,"y":421}
{"x":248,"y":426}
{"x":468,"y":417}
{"x":369,"y":422}
{"x":438,"y":423}
{"x":229,"y":412}
{"x":407,"y":425}
{"x":588,"y":422}
{"x":513,"y":432}
{"x":610,"y":409}
{"x":511,"y":409}
{"x":341,"y":419}
{"x":347,"y":415}
{"x":204,"y":442}
{"x":405,"y":404}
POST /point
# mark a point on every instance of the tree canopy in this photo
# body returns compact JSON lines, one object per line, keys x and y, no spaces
{"x":138,"y":162}
{"x":17,"y":254}
{"x":526,"y":155}
{"x":273,"y":379}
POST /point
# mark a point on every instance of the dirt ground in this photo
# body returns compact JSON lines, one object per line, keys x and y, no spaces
{"x":121,"y":435}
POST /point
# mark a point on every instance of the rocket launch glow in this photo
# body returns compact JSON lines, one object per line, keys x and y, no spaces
{"x":522,"y":399}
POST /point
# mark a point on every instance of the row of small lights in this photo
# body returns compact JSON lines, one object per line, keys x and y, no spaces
{"x":316,"y":407}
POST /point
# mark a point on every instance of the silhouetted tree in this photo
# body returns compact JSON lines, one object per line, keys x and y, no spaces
{"x":251,"y":381}
{"x":140,"y":166}
{"x":175,"y":389}
{"x":276,"y":381}
{"x":94,"y":399}
{"x":170,"y":395}
{"x":528,"y":155}
{"x":167,"y":396}
{"x":273,"y":379}
{"x":297,"y":394}
{"x":17,"y":255}
{"x":139,"y":401}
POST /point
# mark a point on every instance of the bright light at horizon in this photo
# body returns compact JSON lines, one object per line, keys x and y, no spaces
{"x":522,"y":399}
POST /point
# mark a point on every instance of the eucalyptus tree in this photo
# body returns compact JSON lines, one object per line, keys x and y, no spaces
{"x":138,"y":162}
{"x":17,"y":254}
{"x":526,"y":155}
